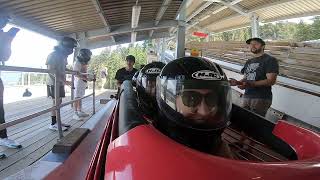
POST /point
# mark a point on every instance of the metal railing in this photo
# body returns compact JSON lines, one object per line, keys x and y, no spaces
{"x":57,"y":104}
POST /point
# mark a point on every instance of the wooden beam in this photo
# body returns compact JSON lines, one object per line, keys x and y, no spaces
{"x":127,"y":28}
{"x":102,"y":16}
{"x":162,"y":10}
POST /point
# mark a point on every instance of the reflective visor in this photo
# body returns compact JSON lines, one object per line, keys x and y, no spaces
{"x":202,"y":104}
{"x":149,"y":84}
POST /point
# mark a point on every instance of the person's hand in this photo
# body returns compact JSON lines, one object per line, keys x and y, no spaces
{"x":242,"y":86}
{"x":68,"y":83}
{"x":233,"y":82}
{"x":245,"y":85}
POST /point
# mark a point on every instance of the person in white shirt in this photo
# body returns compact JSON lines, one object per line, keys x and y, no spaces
{"x":80,"y":81}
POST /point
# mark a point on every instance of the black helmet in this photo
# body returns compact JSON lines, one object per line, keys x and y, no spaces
{"x":68,"y":42}
{"x":84,"y":56}
{"x":146,"y":87}
{"x":134,"y":78}
{"x":194,"y":100}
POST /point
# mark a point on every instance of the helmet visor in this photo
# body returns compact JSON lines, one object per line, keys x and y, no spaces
{"x":149,"y":85}
{"x":198,"y":104}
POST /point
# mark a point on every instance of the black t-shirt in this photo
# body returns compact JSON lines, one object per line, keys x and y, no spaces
{"x":122,"y":74}
{"x":256,"y":69}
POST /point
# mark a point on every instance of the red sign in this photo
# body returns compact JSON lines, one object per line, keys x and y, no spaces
{"x":200,"y":34}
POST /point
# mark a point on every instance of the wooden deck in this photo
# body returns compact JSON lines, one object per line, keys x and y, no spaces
{"x":34,"y":135}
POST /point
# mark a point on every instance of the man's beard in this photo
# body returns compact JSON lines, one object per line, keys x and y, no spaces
{"x":256,"y":51}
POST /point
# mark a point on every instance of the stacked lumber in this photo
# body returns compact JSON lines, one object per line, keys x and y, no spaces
{"x":297,"y":60}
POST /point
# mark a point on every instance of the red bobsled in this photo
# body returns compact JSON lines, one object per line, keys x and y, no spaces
{"x":133,"y":149}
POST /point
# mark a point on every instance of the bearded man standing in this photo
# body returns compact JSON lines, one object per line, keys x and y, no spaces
{"x":260,"y":74}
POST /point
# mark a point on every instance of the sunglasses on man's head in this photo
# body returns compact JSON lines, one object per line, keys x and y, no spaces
{"x":194,"y":98}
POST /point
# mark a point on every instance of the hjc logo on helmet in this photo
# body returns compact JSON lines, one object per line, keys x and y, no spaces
{"x":153,"y":71}
{"x":206,"y":75}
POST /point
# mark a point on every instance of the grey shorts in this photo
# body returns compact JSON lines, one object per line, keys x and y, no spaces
{"x":51,"y":91}
{"x":256,"y":105}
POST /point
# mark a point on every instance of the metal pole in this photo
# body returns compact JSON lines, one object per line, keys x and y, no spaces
{"x":22,"y":79}
{"x":57,"y":104}
{"x":163,"y":49}
{"x":181,"y":32}
{"x":72,"y":89}
{"x":94,"y":95}
{"x":29,"y":81}
{"x":181,"y":35}
{"x":255,"y":25}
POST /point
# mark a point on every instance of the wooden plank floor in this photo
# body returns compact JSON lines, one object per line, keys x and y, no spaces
{"x":34,"y":135}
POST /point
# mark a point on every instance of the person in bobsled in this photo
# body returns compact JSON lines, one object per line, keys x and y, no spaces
{"x":146,"y":89}
{"x":194,"y":101}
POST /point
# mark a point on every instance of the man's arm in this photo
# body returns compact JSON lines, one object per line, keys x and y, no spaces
{"x":272,"y":70}
{"x":234,"y":82}
{"x":118,"y":84}
{"x":270,"y":81}
{"x":118,"y":78}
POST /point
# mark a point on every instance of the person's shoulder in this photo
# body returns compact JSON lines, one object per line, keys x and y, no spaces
{"x":52,"y":58}
{"x":269,"y":57}
{"x":3,"y":33}
{"x":76,"y":66}
{"x":135,"y":70}
{"x":122,"y":69}
{"x":249,"y":61}
{"x":53,"y":55}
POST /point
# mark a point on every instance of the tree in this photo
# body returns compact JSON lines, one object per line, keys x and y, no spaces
{"x":283,"y":31}
{"x":304,"y":32}
{"x":236,"y":35}
{"x":315,"y":28}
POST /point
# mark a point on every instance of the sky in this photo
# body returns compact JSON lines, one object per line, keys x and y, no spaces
{"x":30,"y":49}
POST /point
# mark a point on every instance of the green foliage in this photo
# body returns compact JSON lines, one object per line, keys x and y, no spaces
{"x":235,"y":35}
{"x":316,"y":28}
{"x":304,"y":32}
{"x":114,"y":60}
{"x":285,"y":31}
{"x":35,"y":79}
